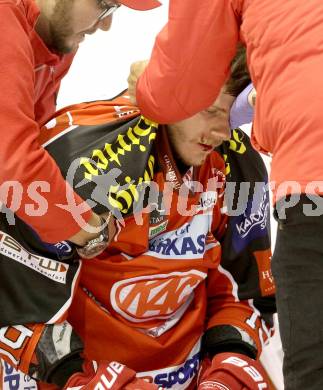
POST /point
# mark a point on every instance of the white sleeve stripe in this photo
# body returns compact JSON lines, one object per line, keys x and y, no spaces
{"x":233,"y":282}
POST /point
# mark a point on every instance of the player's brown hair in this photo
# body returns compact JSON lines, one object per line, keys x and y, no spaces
{"x":240,"y":76}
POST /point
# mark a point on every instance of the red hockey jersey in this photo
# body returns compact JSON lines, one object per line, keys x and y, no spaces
{"x":148,"y":300}
{"x":178,"y":265}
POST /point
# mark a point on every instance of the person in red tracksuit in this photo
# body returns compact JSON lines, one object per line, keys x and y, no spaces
{"x":188,"y":66}
{"x":38,"y":40}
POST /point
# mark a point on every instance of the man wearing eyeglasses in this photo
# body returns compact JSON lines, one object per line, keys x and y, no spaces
{"x":38,"y":40}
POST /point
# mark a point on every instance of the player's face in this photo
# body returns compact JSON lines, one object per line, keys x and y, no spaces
{"x":71,"y":20}
{"x":194,"y":138}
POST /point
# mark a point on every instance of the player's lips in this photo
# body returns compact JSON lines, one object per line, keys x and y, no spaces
{"x":205,"y":147}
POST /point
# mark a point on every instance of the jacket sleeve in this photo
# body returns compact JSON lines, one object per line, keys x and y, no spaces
{"x":190,"y":60}
{"x":31,"y":184}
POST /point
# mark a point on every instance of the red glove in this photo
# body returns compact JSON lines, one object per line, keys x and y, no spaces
{"x":232,"y":371}
{"x":106,"y":376}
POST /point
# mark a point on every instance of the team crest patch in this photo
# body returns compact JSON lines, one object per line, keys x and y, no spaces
{"x":153,"y":297}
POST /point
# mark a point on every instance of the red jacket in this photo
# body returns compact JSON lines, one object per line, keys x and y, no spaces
{"x":30,"y":76}
{"x":190,"y":62}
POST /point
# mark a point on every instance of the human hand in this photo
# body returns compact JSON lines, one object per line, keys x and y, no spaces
{"x":232,"y":371}
{"x":136,"y":70}
{"x":107,"y":375}
{"x":88,"y":232}
{"x":96,"y":237}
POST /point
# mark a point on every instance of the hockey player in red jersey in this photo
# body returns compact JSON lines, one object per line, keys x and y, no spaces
{"x":145,"y":300}
{"x":180,"y":284}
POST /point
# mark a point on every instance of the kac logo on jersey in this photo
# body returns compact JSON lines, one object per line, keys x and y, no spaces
{"x":154,"y":297}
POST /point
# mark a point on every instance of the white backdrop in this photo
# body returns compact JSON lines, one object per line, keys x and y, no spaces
{"x":101,"y":66}
{"x":100,"y":71}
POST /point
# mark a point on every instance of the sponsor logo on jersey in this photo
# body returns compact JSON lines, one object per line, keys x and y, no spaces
{"x":253,"y":373}
{"x":155,"y":230}
{"x":177,"y":377}
{"x":108,"y":377}
{"x":170,"y":172}
{"x":252,"y":220}
{"x":154,"y":297}
{"x":180,"y":247}
{"x":252,"y":224}
{"x":63,"y":246}
{"x":49,"y":268}
{"x":106,"y":166}
{"x":13,"y":379}
{"x":62,"y":249}
{"x":180,"y":375}
{"x":186,"y":242}
{"x":266,"y":278}
{"x":207,"y":201}
{"x":157,"y":218}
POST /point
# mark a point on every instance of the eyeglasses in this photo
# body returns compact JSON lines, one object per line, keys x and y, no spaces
{"x":108,"y":9}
